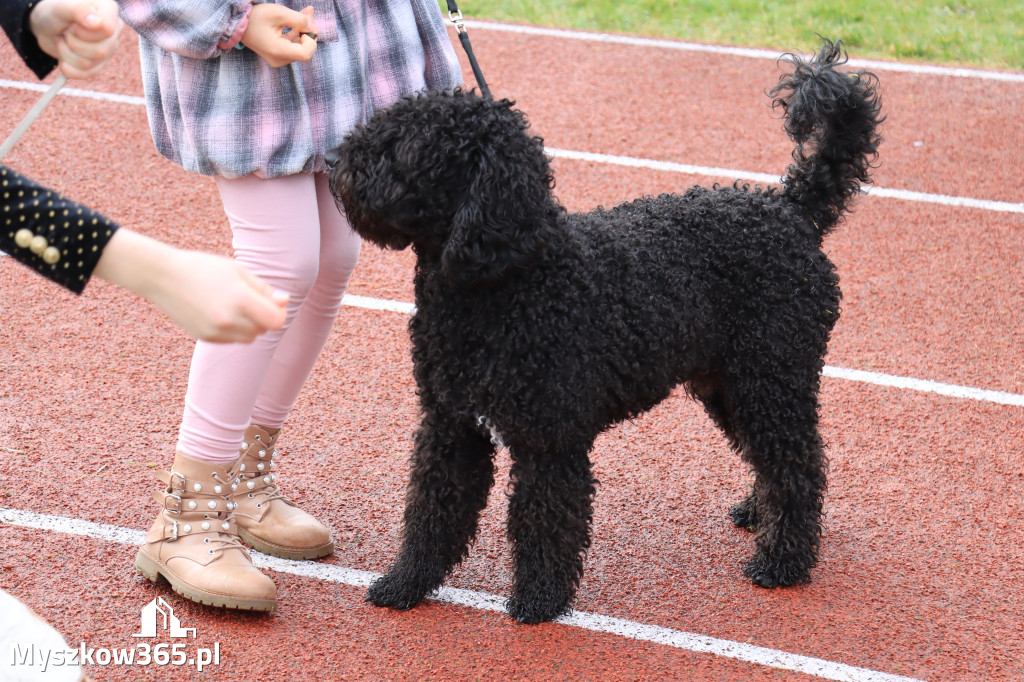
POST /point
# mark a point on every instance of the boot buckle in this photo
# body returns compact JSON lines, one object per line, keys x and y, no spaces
{"x":176,"y":508}
{"x":174,"y":531}
{"x":175,"y":476}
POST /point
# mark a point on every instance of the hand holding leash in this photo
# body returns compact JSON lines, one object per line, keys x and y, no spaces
{"x":81,"y":34}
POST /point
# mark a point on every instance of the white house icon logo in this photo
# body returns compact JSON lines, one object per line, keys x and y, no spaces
{"x":170,"y":621}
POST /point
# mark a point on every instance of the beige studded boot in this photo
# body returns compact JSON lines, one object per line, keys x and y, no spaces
{"x":268,"y":521}
{"x":194,"y":542}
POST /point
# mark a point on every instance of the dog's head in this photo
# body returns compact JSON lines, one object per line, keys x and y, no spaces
{"x":456,"y":176}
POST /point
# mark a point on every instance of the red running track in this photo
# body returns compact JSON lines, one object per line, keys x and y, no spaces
{"x":922,"y":557}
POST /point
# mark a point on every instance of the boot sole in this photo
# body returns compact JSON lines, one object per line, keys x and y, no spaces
{"x":152,"y":571}
{"x":283,"y":553}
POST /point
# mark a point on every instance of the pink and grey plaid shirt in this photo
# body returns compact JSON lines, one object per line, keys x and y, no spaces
{"x":226,"y":112}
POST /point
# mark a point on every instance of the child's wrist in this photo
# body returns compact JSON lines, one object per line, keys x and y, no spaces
{"x":235,"y":41}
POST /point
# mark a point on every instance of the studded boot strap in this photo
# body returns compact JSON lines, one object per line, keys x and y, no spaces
{"x":196,"y":508}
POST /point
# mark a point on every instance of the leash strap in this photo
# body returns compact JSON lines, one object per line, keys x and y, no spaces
{"x":32,"y":115}
{"x":456,"y":17}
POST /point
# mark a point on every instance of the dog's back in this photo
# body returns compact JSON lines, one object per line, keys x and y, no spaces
{"x":626,"y":304}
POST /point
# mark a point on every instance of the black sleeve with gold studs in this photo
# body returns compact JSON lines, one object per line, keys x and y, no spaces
{"x":54,"y":236}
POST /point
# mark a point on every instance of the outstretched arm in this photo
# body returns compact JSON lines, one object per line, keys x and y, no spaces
{"x":210,"y":297}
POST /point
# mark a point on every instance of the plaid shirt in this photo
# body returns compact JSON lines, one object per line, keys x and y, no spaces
{"x":226,"y":112}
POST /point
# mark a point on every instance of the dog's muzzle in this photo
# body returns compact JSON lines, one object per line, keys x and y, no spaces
{"x":332,"y":157}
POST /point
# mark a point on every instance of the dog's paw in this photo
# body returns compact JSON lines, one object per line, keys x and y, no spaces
{"x":394,"y":593}
{"x":744,"y":515}
{"x":768,"y":573}
{"x":535,"y":611}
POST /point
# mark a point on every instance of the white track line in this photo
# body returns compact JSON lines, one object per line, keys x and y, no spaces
{"x":921,"y":69}
{"x":666,"y":166}
{"x":378,"y":304}
{"x":75,"y":92}
{"x":651,"y":164}
{"x":483,"y":601}
{"x":732,"y":174}
{"x":923,"y":385}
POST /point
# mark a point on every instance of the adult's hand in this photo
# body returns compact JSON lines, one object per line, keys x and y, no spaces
{"x":211,"y":297}
{"x":81,"y":34}
{"x":266,"y":36}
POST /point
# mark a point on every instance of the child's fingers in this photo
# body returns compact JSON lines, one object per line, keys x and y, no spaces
{"x":94,"y":49}
{"x":301,"y":51}
{"x":82,"y":58}
{"x":299,"y":24}
{"x":75,"y":65}
{"x":95,"y":22}
{"x":280,"y":35}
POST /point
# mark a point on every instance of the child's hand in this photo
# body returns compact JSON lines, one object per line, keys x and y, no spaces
{"x":80,"y":34}
{"x":266,"y":37}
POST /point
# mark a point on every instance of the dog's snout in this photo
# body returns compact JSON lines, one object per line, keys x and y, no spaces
{"x":333,"y":157}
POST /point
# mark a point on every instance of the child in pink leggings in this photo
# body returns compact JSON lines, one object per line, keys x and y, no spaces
{"x":255,"y":95}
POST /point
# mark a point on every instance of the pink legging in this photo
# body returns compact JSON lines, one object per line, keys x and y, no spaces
{"x":289,"y":232}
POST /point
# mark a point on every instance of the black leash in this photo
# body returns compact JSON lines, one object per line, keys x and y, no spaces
{"x":456,"y":16}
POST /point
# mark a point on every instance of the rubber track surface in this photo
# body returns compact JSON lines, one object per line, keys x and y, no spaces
{"x":923,"y":554}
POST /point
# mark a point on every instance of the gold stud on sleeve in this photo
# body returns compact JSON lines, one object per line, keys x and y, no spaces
{"x":51,"y":255}
{"x":38,"y":244}
{"x":23,"y":237}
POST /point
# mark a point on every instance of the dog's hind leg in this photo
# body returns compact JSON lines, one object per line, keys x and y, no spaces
{"x":549,"y":517}
{"x":776,"y":418}
{"x":709,"y":389}
{"x":452,"y":473}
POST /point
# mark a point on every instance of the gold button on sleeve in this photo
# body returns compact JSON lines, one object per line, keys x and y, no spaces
{"x":51,"y":255}
{"x":23,"y":237}
{"x":38,"y":244}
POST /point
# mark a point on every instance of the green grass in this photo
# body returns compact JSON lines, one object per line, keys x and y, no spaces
{"x":979,"y":33}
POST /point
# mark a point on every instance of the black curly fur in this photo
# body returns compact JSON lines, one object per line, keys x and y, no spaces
{"x":833,"y":117}
{"x":550,"y":327}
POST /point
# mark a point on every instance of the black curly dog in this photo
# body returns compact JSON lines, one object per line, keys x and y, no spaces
{"x":544,"y":328}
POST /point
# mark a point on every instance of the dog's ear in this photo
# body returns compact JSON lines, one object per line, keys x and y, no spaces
{"x":507,"y":214}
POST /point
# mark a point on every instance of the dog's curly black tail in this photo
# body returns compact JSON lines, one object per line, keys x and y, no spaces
{"x":833,"y":116}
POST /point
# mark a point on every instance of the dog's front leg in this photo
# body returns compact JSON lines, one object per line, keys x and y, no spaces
{"x":452,"y":473}
{"x":549,"y":517}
